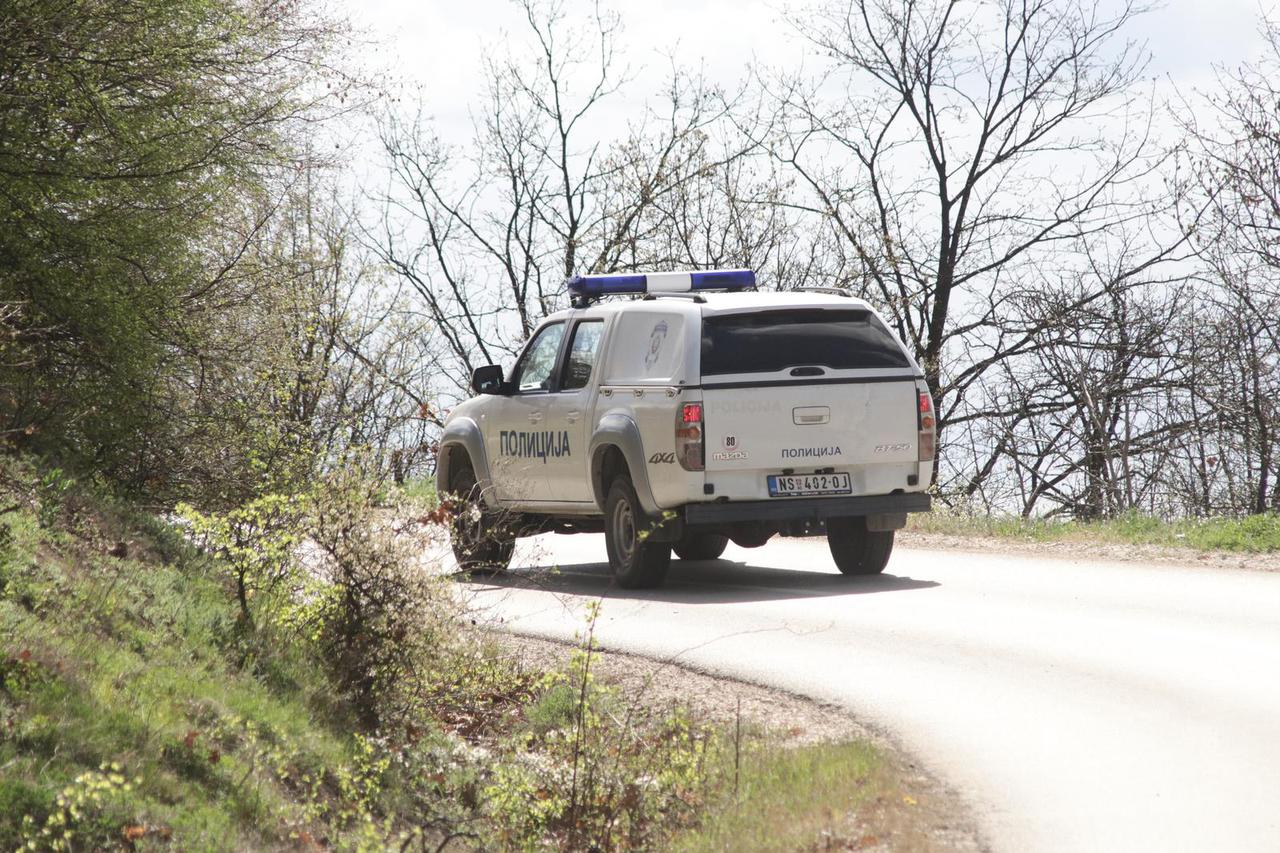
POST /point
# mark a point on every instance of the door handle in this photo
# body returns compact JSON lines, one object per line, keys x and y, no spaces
{"x":535,"y":417}
{"x":572,"y":417}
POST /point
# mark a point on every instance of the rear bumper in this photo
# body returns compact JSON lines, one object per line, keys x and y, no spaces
{"x":804,"y":509}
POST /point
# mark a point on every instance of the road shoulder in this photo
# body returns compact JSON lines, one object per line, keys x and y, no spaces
{"x":1102,"y":552}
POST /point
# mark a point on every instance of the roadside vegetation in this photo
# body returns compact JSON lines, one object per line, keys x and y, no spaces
{"x":1254,"y":534}
{"x":289,"y":674}
{"x":794,"y":800}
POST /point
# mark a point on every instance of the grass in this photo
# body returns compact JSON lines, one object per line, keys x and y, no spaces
{"x":1256,"y":534}
{"x":791,"y":799}
{"x":420,"y":488}
{"x":554,"y":709}
{"x":122,"y":716}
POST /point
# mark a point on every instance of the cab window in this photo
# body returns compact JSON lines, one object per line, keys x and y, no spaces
{"x":582,"y":354}
{"x":533,"y":371}
{"x":769,"y":341}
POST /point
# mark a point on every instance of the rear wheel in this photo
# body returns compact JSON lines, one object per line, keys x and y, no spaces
{"x":480,"y":544}
{"x":856,"y":550}
{"x":637,"y":562}
{"x":701,"y":546}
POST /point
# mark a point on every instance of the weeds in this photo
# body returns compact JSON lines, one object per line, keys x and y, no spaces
{"x":256,"y":546}
{"x":787,"y":799}
{"x":593,"y":769}
{"x":51,"y":493}
{"x":82,"y":816}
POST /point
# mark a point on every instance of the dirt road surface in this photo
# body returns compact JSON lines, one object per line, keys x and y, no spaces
{"x":1078,"y":705}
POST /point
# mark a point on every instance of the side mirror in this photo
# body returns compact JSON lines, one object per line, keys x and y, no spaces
{"x":487,"y":379}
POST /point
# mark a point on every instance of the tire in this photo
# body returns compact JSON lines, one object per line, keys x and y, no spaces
{"x":479,"y":545}
{"x":701,"y":546}
{"x":752,"y":539}
{"x":637,"y":563}
{"x":856,"y":550}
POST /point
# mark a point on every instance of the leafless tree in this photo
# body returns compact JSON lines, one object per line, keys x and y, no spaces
{"x":959,"y":148}
{"x":303,"y":353}
{"x":487,"y":234}
{"x":1234,"y":158}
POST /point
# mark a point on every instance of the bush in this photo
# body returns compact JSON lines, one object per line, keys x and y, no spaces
{"x":383,"y":618}
{"x":594,"y":771}
{"x":133,"y":133}
{"x":255,"y":545}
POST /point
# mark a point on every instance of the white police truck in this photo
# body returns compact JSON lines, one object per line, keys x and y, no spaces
{"x":696,"y":412}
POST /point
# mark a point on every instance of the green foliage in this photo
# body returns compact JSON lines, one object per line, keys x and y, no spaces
{"x":555,"y":708}
{"x":132,"y":134}
{"x":384,"y":619}
{"x":255,"y":545}
{"x":1253,"y":534}
{"x":124,"y":663}
{"x":592,"y":770}
{"x":82,"y":816}
{"x":52,"y":490}
{"x":137,"y":708}
{"x":421,"y":489}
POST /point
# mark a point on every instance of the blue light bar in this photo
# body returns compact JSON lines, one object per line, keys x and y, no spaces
{"x":595,"y":286}
{"x":722,"y":280}
{"x":603,"y":285}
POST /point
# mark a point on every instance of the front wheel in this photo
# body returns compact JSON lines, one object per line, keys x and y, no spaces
{"x":701,"y":546}
{"x":637,"y":562}
{"x":856,"y":550}
{"x":480,"y":545}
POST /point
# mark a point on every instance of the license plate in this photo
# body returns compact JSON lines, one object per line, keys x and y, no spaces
{"x":806,"y":485}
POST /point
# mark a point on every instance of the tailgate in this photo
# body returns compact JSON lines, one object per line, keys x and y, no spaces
{"x":791,"y":392}
{"x":806,"y":427}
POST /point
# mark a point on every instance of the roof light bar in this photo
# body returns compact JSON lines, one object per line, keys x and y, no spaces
{"x":595,"y":286}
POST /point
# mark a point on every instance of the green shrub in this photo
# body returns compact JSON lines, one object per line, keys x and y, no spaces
{"x":233,"y":738}
{"x":555,"y":708}
{"x":86,"y":815}
{"x":256,"y":546}
{"x":382,"y":622}
{"x":51,"y":494}
{"x":22,"y":799}
{"x":592,"y":771}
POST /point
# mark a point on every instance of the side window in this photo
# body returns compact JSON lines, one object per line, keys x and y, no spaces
{"x":582,"y":354}
{"x":533,"y":371}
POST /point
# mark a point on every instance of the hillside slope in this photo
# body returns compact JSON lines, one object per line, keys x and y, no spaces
{"x":139,"y":710}
{"x":124,"y":715}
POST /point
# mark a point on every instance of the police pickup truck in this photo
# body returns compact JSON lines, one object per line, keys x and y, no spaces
{"x":694,"y":413}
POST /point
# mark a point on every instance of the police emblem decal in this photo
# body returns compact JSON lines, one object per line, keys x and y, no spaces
{"x":656,"y":338}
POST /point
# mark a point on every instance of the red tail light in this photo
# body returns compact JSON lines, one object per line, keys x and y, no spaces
{"x":926,"y":410}
{"x":689,"y":448}
{"x":928,"y":428}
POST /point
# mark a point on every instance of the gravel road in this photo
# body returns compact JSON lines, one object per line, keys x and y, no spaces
{"x":1077,"y":704}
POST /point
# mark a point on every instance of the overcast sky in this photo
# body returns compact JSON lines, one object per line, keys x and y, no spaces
{"x":439,"y":43}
